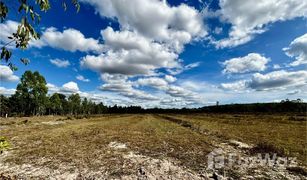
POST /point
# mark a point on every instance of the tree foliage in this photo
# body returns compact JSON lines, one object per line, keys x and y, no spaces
{"x":29,"y":14}
{"x":31,"y":93}
{"x":31,"y":98}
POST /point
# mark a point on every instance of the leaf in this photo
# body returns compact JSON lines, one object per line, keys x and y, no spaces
{"x":25,"y":61}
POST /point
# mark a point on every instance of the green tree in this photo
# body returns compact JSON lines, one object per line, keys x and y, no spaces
{"x":29,"y":15}
{"x":31,"y":93}
{"x":85,"y":106}
{"x":56,"y":104}
{"x":4,"y":105}
{"x":74,"y":101}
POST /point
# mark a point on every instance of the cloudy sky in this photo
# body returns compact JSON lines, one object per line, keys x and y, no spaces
{"x":169,"y":53}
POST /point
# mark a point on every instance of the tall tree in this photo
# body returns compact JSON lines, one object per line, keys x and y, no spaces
{"x":31,"y":92}
{"x":74,"y":101}
{"x":4,"y":106}
{"x":56,"y":104}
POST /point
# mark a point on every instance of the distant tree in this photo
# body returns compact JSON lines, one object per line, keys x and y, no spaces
{"x":28,"y":13}
{"x":74,"y":101}
{"x":85,"y":106}
{"x":4,"y":106}
{"x":31,"y":93}
{"x":56,"y":104}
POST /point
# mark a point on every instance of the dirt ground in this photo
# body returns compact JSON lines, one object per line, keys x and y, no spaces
{"x":150,"y":146}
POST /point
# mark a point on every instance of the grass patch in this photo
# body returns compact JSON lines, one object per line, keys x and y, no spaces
{"x":285,"y":135}
{"x":264,"y":147}
{"x":4,"y":144}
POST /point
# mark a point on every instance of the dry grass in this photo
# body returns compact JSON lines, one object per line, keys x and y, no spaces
{"x":280,"y":133}
{"x":83,"y":143}
{"x":57,"y":142}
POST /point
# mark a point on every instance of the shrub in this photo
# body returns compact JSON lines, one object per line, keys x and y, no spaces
{"x":264,"y":147}
{"x":4,"y":144}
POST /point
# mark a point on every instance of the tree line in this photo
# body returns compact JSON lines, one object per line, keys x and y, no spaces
{"x":31,"y":98}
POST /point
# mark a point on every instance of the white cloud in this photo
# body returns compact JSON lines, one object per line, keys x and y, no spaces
{"x":130,"y":54}
{"x":177,"y":91}
{"x":60,"y":63}
{"x":276,"y":66}
{"x":6,"y":30}
{"x":249,"y":18}
{"x":153,"y":18}
{"x":67,"y":88}
{"x":236,"y":86}
{"x":278,"y":80}
{"x":121,"y":85}
{"x":52,"y":88}
{"x":298,"y":49}
{"x":82,"y":78}
{"x":155,"y":82}
{"x":174,"y":91}
{"x":6,"y":91}
{"x":250,"y":63}
{"x":294,"y":92}
{"x":182,"y":68}
{"x":170,"y":78}
{"x":152,"y":35}
{"x":6,"y":74}
{"x":69,"y":40}
{"x":218,"y":30}
{"x":70,"y":87}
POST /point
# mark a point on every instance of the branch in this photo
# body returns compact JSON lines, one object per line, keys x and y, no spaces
{"x":8,"y":43}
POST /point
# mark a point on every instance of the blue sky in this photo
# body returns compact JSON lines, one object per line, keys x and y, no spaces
{"x":168,"y":53}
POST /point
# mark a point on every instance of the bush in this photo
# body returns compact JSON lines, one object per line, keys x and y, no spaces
{"x":4,"y":144}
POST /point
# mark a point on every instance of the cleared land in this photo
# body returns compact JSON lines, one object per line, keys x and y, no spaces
{"x":148,"y":146}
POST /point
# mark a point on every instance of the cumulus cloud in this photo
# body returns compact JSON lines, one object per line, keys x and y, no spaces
{"x":172,"y":90}
{"x":70,"y":87}
{"x":153,"y":18}
{"x":236,"y":86}
{"x":248,"y":18}
{"x":177,"y":91}
{"x":152,"y":35}
{"x":130,"y":54}
{"x":7,"y":75}
{"x":170,"y":78}
{"x":182,"y":68}
{"x":67,"y":88}
{"x":250,"y":63}
{"x":155,"y":82}
{"x":82,"y":78}
{"x":121,"y":85}
{"x":7,"y":28}
{"x":298,"y":50}
{"x":52,"y":88}
{"x":60,"y":63}
{"x":6,"y":91}
{"x":294,"y":92}
{"x":70,"y":40}
{"x":278,"y":80}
